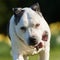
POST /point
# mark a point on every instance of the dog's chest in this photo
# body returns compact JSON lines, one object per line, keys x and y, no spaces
{"x":21,"y":48}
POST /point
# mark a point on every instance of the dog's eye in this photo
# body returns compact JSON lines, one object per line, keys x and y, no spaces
{"x":23,"y":29}
{"x":37,"y":25}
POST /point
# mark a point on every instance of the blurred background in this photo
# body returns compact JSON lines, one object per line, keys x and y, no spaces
{"x":51,"y":12}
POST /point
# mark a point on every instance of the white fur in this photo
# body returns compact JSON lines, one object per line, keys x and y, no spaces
{"x":20,"y":48}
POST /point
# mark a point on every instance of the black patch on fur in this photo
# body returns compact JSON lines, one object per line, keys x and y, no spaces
{"x":18,"y":16}
{"x":36,"y":7}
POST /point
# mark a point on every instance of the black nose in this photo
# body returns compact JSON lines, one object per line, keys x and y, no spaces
{"x":32,"y":41}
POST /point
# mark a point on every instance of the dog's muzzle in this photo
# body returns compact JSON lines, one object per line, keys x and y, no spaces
{"x":32,"y":41}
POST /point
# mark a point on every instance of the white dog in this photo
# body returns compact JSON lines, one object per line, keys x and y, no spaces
{"x":29,"y":33}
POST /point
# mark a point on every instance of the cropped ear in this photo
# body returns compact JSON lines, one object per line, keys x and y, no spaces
{"x":16,"y":10}
{"x":36,"y":7}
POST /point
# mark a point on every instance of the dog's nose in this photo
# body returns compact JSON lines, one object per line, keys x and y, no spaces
{"x":32,"y":41}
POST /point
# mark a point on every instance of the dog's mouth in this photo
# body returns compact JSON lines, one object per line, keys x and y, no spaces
{"x":33,"y":42}
{"x":44,"y":38}
{"x":38,"y":46}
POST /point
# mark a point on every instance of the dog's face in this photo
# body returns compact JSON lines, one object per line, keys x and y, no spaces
{"x":30,"y":26}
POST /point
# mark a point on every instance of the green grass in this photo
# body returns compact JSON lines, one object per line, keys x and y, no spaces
{"x":55,"y":54}
{"x":5,"y":53}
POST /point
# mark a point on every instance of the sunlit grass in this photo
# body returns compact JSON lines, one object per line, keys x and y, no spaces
{"x":55,"y":53}
{"x":5,"y":53}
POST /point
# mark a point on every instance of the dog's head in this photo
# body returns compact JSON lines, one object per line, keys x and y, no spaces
{"x":30,"y":26}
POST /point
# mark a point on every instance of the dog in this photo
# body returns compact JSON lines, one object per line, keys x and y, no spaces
{"x":29,"y":33}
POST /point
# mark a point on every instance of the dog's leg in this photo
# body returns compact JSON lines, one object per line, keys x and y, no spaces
{"x":17,"y":56}
{"x":44,"y":55}
{"x":26,"y":58}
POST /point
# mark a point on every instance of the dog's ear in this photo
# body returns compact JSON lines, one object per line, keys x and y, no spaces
{"x":16,"y":10}
{"x":36,"y":7}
